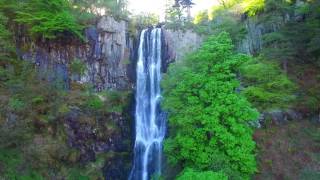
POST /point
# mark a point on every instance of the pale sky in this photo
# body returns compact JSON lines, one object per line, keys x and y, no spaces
{"x":158,"y":6}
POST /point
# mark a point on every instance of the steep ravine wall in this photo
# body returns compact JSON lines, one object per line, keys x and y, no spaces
{"x":257,"y":26}
{"x":107,"y":53}
{"x":179,"y":43}
{"x":253,"y":41}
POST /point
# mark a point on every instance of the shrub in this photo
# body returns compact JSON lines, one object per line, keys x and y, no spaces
{"x":37,"y":99}
{"x":49,"y":19}
{"x":116,"y":101}
{"x":16,"y":104}
{"x":266,"y":85}
{"x":78,"y":67}
{"x":94,"y":102}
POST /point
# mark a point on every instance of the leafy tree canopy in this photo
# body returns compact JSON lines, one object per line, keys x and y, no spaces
{"x":208,"y":120}
{"x":190,"y":174}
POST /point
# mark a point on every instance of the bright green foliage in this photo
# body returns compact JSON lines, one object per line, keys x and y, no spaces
{"x":253,"y":7}
{"x":16,"y":104}
{"x":108,"y":101}
{"x":94,"y":102}
{"x":266,"y":85}
{"x":48,"y":18}
{"x":190,"y":174}
{"x":201,"y":17}
{"x":208,"y":119}
{"x":116,"y":8}
{"x":201,"y":23}
{"x":219,"y":19}
{"x":226,"y":22}
{"x":58,"y":18}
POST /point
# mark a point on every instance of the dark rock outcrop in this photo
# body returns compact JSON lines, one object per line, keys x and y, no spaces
{"x":279,"y":117}
{"x":96,"y":135}
{"x":253,"y":41}
{"x":107,"y":53}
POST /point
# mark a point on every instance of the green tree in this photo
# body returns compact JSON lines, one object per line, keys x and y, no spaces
{"x":208,"y":120}
{"x":253,"y":7}
{"x":190,"y":174}
{"x":144,"y":20}
{"x":178,"y":14}
{"x":116,"y":8}
{"x":266,"y":85}
{"x":49,"y":19}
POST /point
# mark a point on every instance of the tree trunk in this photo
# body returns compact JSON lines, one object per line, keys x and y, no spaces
{"x":189,"y":13}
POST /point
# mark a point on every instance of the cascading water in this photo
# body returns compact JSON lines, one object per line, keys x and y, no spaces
{"x":150,"y":121}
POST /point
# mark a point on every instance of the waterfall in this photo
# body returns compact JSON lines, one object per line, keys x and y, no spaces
{"x":150,"y":121}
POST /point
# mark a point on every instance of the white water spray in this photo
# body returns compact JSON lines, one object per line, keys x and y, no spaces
{"x":150,"y":121}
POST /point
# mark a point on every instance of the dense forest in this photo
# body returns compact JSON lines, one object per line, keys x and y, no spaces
{"x":244,"y":105}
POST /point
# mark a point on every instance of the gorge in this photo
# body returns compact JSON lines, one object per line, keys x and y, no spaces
{"x":90,"y":90}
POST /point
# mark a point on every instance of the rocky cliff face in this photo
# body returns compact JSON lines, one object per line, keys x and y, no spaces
{"x":179,"y":43}
{"x":106,"y":54}
{"x":253,"y":41}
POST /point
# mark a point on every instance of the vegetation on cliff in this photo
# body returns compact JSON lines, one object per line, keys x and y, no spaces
{"x":49,"y":129}
{"x":58,"y":18}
